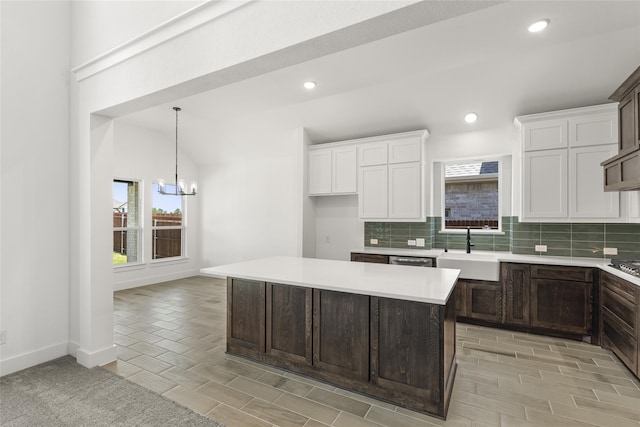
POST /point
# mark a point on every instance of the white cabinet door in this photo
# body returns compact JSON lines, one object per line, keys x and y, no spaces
{"x":371,"y":154}
{"x":545,"y":135}
{"x":597,"y":129}
{"x":545,"y":184}
{"x":320,"y":172}
{"x":373,"y":194}
{"x":405,"y":150}
{"x":404,"y":191}
{"x":586,"y":189}
{"x":344,"y":170}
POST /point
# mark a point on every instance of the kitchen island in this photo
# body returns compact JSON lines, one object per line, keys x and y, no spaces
{"x":387,"y":331}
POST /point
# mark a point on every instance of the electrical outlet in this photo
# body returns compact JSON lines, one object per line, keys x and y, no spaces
{"x":411,"y":242}
{"x":420,"y":242}
{"x":373,"y":241}
{"x":541,"y":248}
{"x":3,"y":337}
{"x":610,"y":251}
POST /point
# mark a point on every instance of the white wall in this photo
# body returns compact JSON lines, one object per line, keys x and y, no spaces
{"x":146,"y":155}
{"x":99,"y":26}
{"x":34,"y":282}
{"x":250,"y":200}
{"x":475,"y":144}
{"x":338,"y":229}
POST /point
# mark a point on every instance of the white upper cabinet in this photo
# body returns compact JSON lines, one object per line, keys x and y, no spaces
{"x":405,"y":150}
{"x":391,"y":179}
{"x":320,"y":171}
{"x":344,"y":170}
{"x":405,"y":201}
{"x":387,"y":173}
{"x":561,"y":174}
{"x":373,"y":201}
{"x":373,"y":154}
{"x":593,"y":129}
{"x":545,"y":184}
{"x":332,"y":170}
{"x":545,"y":135}
{"x":585,"y":201}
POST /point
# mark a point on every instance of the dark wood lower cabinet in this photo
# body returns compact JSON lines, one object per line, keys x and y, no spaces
{"x":546,"y":299}
{"x":517,"y":293}
{"x":620,"y":318}
{"x":288,"y":322}
{"x":479,"y":299}
{"x":562,"y":305}
{"x":562,"y":298}
{"x":245,"y":316}
{"x":341,"y":333}
{"x":395,"y":350}
{"x":374,"y":258}
{"x":417,"y":372}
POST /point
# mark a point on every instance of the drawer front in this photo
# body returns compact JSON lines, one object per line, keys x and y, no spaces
{"x":621,"y":287}
{"x":621,"y":343}
{"x":375,"y":258}
{"x":558,"y":272}
{"x":620,"y":307}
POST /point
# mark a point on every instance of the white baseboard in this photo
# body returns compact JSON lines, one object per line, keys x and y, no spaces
{"x":32,"y":358}
{"x":96,"y":358}
{"x":152,"y":280}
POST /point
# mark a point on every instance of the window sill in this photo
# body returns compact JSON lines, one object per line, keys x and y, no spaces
{"x":474,"y":232}
{"x":118,"y":268}
{"x":168,"y":261}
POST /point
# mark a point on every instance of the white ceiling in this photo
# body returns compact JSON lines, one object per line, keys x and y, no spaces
{"x":484,"y":61}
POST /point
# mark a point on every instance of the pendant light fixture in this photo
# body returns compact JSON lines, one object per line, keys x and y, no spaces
{"x":180,"y":187}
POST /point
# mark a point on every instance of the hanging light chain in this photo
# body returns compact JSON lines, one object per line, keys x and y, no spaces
{"x":179,"y":189}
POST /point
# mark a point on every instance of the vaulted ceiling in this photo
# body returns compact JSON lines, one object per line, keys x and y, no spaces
{"x":429,"y":77}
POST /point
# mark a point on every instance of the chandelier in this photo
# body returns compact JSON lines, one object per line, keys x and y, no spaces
{"x":180,"y":187}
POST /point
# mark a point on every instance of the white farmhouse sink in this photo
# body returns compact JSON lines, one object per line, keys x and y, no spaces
{"x":478,"y":266}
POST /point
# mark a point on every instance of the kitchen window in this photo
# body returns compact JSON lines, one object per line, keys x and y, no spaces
{"x":167,"y":225}
{"x":127,"y":231}
{"x":472,"y":193}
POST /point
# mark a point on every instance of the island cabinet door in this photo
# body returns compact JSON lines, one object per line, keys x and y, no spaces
{"x":341,"y":334}
{"x":245,"y":316}
{"x":289,"y":323}
{"x":407,"y":360}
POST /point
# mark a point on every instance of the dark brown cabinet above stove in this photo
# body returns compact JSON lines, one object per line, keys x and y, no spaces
{"x":622,"y":172}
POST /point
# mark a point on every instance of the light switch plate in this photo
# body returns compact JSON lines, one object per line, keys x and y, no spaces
{"x":610,"y":251}
{"x":373,"y":241}
{"x":3,"y":337}
{"x":420,"y":242}
{"x":411,"y":242}
{"x":541,"y":248}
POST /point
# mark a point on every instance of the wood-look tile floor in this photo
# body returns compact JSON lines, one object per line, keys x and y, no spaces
{"x":171,"y":339}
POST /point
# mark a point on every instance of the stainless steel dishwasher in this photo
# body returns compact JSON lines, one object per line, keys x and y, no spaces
{"x":411,"y":260}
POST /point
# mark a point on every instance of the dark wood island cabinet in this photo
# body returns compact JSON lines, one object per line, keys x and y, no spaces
{"x":400,"y":349}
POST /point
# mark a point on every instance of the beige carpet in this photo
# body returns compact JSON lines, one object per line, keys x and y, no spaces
{"x":64,"y":393}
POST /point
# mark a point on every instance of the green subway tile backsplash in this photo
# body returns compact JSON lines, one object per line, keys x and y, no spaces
{"x":562,"y":239}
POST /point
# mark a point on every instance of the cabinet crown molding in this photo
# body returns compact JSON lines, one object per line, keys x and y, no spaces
{"x":422,"y":133}
{"x":626,"y":86}
{"x":611,"y":107}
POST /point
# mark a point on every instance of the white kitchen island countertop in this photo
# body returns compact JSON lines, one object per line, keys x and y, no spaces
{"x":430,"y":285}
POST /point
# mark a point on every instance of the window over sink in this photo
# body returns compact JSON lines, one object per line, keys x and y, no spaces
{"x":470,"y":193}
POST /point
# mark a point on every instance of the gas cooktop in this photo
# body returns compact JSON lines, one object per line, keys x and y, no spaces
{"x":628,"y":266}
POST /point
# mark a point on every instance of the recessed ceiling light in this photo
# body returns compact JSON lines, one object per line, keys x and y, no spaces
{"x":470,"y":117}
{"x":538,"y":25}
{"x":309,"y":85}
